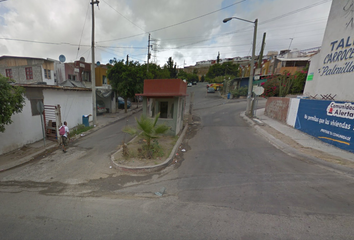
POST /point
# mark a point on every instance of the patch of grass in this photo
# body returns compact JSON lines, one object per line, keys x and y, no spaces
{"x":143,"y":152}
{"x":132,"y":153}
{"x":140,"y":155}
{"x":80,"y":128}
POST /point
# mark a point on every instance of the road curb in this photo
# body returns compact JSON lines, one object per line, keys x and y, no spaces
{"x":27,"y":158}
{"x":30,"y":157}
{"x":155,"y":168}
{"x":94,"y":129}
{"x":295,"y":152}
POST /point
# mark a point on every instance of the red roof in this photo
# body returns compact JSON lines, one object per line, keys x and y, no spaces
{"x":164,"y":88}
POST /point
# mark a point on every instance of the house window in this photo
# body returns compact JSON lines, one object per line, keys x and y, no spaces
{"x":29,"y":73}
{"x":71,"y":77}
{"x":86,"y":76}
{"x":9,"y":73}
{"x":47,"y":74}
{"x":163,"y":109}
{"x":34,"y":109}
{"x":104,"y":80}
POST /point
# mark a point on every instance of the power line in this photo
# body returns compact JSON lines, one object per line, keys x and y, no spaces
{"x":267,"y":21}
{"x":78,"y":49}
{"x":192,"y":19}
{"x":176,"y":24}
{"x":125,"y":17}
{"x":295,"y":11}
{"x":41,"y":42}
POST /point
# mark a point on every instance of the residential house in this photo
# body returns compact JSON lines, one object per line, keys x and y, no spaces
{"x":60,"y":104}
{"x":78,"y":74}
{"x":28,"y":70}
{"x":101,"y":75}
{"x":291,"y":61}
{"x":104,"y":91}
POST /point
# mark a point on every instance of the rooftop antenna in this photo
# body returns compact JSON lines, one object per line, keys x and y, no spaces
{"x":291,"y":41}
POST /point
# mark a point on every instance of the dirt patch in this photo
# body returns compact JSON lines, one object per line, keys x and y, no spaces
{"x":308,"y":151}
{"x":138,"y":157}
{"x":192,"y":130}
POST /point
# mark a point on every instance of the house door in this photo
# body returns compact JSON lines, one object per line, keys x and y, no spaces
{"x":52,"y":119}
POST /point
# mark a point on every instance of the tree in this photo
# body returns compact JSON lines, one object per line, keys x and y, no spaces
{"x":156,"y":72}
{"x":227,"y":68}
{"x":215,"y":71}
{"x":148,"y":127}
{"x":230,"y":68}
{"x":183,"y":75}
{"x":189,"y":77}
{"x":11,"y":101}
{"x":218,"y":58}
{"x":127,"y":79}
{"x":171,"y":67}
{"x":202,"y":79}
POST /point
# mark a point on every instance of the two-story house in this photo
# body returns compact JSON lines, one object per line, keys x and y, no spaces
{"x":27,"y":70}
{"x":78,"y":74}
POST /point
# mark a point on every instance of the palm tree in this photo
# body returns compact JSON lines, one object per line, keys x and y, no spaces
{"x":149,"y":129}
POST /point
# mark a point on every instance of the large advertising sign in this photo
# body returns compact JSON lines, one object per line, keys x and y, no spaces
{"x":332,"y":70}
{"x":329,"y":121}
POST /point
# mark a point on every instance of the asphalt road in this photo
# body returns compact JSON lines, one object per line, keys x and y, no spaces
{"x":229,"y":184}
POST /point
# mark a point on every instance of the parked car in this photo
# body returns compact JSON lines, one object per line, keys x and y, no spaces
{"x":189,"y":84}
{"x":216,"y":86}
{"x":194,"y":83}
{"x":100,"y":107}
{"x":211,"y":90}
{"x":121,"y":103}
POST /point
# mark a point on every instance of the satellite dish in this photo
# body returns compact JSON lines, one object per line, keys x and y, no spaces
{"x":82,"y":59}
{"x":62,"y":58}
{"x":98,"y":63}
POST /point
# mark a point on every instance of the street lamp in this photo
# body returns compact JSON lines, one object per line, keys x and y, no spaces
{"x":249,"y":109}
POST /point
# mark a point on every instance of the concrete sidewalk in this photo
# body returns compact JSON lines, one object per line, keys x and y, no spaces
{"x":30,"y":151}
{"x":297,"y":143}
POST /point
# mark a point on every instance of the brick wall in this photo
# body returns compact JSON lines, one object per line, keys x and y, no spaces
{"x":277,"y":108}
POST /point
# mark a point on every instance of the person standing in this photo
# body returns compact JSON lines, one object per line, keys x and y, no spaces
{"x":65,"y":134}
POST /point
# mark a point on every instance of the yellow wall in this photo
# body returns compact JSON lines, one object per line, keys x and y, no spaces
{"x":265,"y":68}
{"x":99,"y":73}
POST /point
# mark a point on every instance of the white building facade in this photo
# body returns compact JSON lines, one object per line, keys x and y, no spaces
{"x":332,"y":70}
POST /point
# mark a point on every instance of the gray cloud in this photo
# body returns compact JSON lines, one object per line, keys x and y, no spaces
{"x":69,"y":21}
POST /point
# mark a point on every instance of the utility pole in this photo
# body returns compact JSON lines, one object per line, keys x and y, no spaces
{"x":93,"y":77}
{"x":261,"y":53}
{"x":249,"y":109}
{"x":127,"y":59}
{"x":149,"y":54}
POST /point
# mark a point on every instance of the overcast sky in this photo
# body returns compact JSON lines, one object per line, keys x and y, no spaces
{"x":187,"y":30}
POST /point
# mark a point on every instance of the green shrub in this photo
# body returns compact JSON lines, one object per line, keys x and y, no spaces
{"x":299,"y":81}
{"x":242,"y":91}
{"x":80,"y":128}
{"x":278,"y":85}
